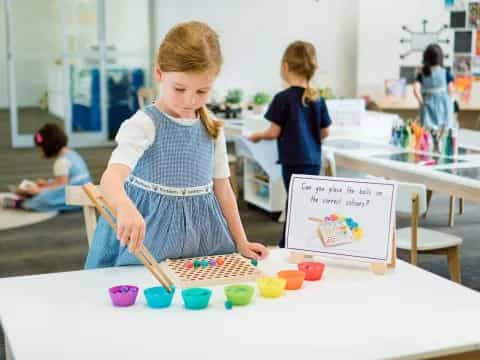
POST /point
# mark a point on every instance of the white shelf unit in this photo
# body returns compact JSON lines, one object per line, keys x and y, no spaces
{"x":267,"y":195}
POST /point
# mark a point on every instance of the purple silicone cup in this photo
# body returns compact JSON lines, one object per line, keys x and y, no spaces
{"x":123,"y":295}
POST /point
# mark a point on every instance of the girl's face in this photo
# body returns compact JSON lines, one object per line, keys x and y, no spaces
{"x":184,"y":93}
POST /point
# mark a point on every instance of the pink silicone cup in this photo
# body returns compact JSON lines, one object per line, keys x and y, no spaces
{"x":123,"y":298}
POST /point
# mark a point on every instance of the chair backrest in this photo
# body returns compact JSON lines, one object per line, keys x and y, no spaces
{"x":405,"y":193}
{"x":75,"y":195}
{"x":145,"y":96}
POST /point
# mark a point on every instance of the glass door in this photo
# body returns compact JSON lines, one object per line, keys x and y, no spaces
{"x":83,"y":72}
{"x":128,"y":59}
{"x":77,"y":63}
{"x":32,"y":52}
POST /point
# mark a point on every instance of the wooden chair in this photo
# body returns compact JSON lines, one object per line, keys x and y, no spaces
{"x":232,"y":163}
{"x":412,"y":200}
{"x":74,"y":195}
{"x":145,"y":96}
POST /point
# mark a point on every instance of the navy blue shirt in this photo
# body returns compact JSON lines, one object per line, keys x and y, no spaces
{"x":299,"y":142}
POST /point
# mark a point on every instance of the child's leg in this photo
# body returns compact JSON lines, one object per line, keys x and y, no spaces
{"x":287,"y":172}
{"x":9,"y":203}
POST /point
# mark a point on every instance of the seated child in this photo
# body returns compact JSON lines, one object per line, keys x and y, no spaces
{"x":68,"y":169}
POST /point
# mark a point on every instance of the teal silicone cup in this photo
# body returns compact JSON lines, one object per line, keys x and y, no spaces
{"x":158,"y":297}
{"x":196,"y":298}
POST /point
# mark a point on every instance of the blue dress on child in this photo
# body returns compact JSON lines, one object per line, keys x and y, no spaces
{"x":437,"y":110}
{"x":181,"y":156}
{"x":54,"y":199}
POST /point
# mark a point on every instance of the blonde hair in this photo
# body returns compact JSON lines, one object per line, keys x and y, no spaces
{"x":301,"y":58}
{"x":192,"y":47}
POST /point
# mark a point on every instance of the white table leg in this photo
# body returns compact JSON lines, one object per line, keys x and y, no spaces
{"x":8,"y":350}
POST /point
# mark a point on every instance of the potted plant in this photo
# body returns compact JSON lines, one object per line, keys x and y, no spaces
{"x":260,"y":100}
{"x":233,"y":102}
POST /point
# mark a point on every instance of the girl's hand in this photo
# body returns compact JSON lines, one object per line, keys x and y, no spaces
{"x":41,"y":182}
{"x":253,"y":250}
{"x":31,"y":190}
{"x":255,"y":137}
{"x":130,"y":226}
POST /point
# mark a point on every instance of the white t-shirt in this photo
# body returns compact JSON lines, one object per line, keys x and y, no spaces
{"x":137,"y":133}
{"x":61,"y":166}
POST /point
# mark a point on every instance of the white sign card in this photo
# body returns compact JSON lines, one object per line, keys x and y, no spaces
{"x":347,"y":218}
{"x":347,"y":116}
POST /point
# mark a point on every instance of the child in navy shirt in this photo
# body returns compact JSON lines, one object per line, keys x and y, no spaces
{"x":299,"y":117}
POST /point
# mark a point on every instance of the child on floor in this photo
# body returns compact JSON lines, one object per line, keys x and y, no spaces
{"x":159,"y":178}
{"x":433,"y":90}
{"x":299,"y":117}
{"x":68,"y":169}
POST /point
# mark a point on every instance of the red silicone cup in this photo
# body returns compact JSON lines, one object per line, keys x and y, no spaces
{"x":123,"y":295}
{"x":313,"y":270}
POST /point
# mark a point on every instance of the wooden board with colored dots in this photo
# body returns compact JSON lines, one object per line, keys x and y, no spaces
{"x":235,"y":269}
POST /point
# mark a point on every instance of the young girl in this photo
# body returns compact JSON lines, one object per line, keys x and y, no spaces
{"x":159,"y":178}
{"x":299,"y":117}
{"x":433,"y":90}
{"x":68,"y":169}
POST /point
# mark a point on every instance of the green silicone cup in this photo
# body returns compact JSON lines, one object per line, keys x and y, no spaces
{"x":239,"y":294}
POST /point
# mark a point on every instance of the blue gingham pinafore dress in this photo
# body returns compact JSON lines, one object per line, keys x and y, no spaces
{"x":181,"y":156}
{"x":437,"y":109}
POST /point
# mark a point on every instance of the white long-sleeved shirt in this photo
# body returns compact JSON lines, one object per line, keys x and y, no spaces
{"x":137,"y":134}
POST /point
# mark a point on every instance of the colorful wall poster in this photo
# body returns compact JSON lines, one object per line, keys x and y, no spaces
{"x":346,"y":218}
{"x":463,"y":87}
{"x":476,"y":67}
{"x":474,"y":14}
{"x":477,"y":46}
{"x":462,"y":65}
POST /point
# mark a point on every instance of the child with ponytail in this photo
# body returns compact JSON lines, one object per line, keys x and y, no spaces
{"x":168,"y":178}
{"x":298,"y":115}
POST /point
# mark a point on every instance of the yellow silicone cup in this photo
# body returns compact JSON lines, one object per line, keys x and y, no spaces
{"x":271,"y":287}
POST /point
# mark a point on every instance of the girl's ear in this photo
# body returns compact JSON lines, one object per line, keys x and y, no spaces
{"x":158,"y":73}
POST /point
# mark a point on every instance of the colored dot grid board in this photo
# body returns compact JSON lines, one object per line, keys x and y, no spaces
{"x":235,"y":269}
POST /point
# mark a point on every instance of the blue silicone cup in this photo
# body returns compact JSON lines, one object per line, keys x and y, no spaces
{"x":123,"y":295}
{"x":158,"y":297}
{"x":196,"y":298}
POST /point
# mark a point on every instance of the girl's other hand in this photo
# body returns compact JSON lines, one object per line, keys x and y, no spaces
{"x":253,"y":250}
{"x":130,"y":226}
{"x":41,"y":182}
{"x":255,"y":137}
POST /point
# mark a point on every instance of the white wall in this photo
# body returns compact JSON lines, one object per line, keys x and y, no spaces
{"x":379,"y":32}
{"x":254,"y":34}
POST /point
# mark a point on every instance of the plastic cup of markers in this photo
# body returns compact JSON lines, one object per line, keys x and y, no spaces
{"x":313,"y":270}
{"x":123,"y":295}
{"x":158,"y":297}
{"x":196,"y":298}
{"x":239,"y":294}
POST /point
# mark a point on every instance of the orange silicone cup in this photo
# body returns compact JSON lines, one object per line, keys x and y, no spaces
{"x":294,"y":278}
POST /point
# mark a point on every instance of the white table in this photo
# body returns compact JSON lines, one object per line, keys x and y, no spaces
{"x":366,"y":158}
{"x":351,"y":314}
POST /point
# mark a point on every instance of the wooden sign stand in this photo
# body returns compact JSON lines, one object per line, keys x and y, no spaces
{"x":377,"y":268}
